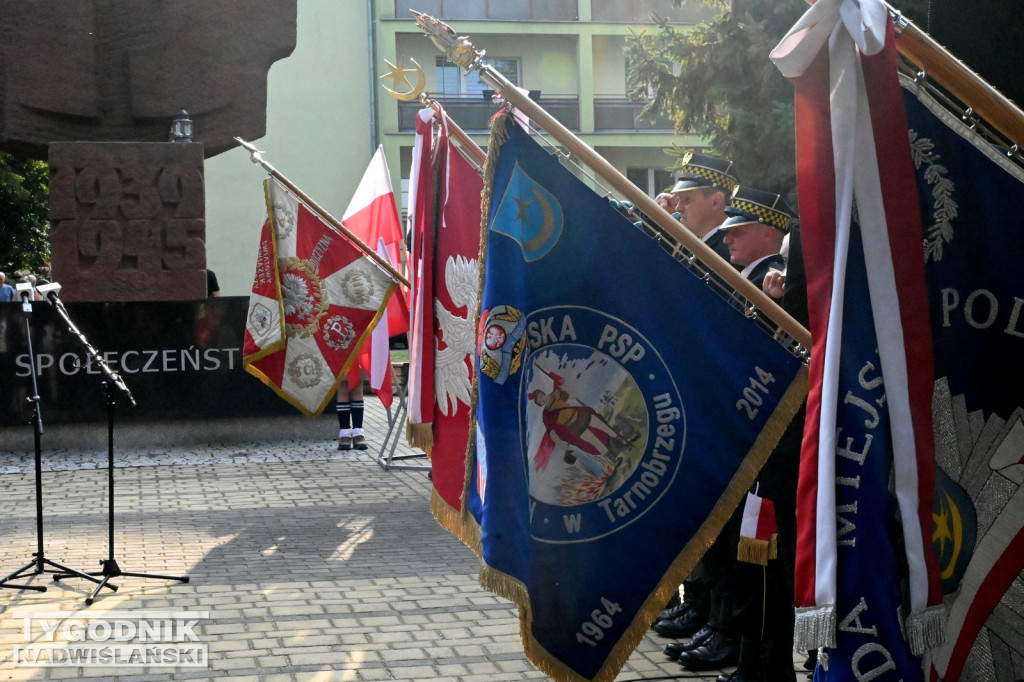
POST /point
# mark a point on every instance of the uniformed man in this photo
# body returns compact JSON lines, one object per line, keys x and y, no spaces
{"x":758,"y":221}
{"x":701,"y":195}
{"x":763,"y":595}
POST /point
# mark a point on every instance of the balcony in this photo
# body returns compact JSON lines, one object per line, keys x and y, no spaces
{"x":473,"y":114}
{"x":494,"y":10}
{"x":623,"y":114}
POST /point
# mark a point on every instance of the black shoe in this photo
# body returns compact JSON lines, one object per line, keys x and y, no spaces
{"x":737,"y":676}
{"x":675,"y":649}
{"x":682,"y":626}
{"x":717,"y":652}
{"x":673,"y":611}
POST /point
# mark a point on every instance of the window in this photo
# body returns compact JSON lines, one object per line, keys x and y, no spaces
{"x":451,"y":81}
{"x":495,"y":10}
{"x":639,"y":11}
{"x":651,"y":180}
{"x":448,"y":79}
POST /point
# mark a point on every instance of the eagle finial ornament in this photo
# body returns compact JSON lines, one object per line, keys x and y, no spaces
{"x":456,"y":48}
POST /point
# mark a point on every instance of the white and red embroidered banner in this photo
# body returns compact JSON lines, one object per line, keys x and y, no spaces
{"x":315,"y":299}
{"x":446,"y":244}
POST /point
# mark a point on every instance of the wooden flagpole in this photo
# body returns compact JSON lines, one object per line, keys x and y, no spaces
{"x":951,"y":73}
{"x":257,"y":158}
{"x":460,"y":51}
{"x":460,"y":136}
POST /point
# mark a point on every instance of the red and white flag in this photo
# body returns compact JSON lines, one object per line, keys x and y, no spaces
{"x":372,"y":215}
{"x":849,"y":116}
{"x":759,"y":540}
{"x":315,"y":299}
{"x":422,"y":219}
{"x":375,"y":360}
{"x":446,"y":246}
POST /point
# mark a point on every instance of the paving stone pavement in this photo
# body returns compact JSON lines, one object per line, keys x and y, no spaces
{"x":311,"y":564}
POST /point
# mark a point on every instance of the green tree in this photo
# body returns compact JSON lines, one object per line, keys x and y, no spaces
{"x":24,"y":200}
{"x":716,"y":79}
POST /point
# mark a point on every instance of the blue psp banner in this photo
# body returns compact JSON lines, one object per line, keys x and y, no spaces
{"x":624,"y":408}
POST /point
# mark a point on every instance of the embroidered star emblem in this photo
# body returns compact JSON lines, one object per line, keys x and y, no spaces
{"x":523,"y":205}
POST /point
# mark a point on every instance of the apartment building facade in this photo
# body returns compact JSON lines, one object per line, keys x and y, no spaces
{"x":568,"y":53}
{"x":327,"y":110}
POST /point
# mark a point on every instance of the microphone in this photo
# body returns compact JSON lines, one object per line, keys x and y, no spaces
{"x":48,"y":290}
{"x":25,"y":292}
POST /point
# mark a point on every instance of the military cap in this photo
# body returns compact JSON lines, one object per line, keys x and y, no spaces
{"x":749,"y":205}
{"x":705,"y":171}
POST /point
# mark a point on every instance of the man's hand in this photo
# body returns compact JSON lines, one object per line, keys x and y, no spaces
{"x":774,"y":283}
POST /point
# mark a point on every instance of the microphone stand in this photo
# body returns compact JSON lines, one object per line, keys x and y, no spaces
{"x":39,"y":564}
{"x":111,"y":382}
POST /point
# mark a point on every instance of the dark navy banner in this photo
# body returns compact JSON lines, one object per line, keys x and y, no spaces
{"x":971,"y":196}
{"x":180,"y":360}
{"x":971,"y":206}
{"x":869,"y":574}
{"x":624,"y":408}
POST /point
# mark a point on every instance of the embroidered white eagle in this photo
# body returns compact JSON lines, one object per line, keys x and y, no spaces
{"x":452,"y":364}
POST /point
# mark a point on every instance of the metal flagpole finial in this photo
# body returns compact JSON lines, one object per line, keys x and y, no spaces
{"x":456,"y":48}
{"x":256,"y":156}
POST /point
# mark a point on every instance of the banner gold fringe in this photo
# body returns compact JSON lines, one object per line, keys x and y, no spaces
{"x":756,"y":551}
{"x":511,"y":588}
{"x":420,"y":436}
{"x":458,"y":523}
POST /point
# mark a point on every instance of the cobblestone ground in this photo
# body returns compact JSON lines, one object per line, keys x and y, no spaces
{"x":308,"y":563}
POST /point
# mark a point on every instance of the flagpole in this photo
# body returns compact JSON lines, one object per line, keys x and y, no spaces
{"x":939,"y":64}
{"x":460,"y":51}
{"x":257,"y":158}
{"x":951,"y":73}
{"x":464,"y":140}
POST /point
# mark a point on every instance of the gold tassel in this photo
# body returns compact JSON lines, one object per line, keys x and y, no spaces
{"x":757,"y":551}
{"x":420,"y":435}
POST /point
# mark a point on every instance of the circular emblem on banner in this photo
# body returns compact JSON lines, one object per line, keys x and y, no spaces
{"x":304,"y":302}
{"x":259,"y":318}
{"x":501,"y":342}
{"x":602,"y":426}
{"x":338,"y":332}
{"x":306,"y":370}
{"x":284,"y":219}
{"x":359,"y":289}
{"x":955,"y":531}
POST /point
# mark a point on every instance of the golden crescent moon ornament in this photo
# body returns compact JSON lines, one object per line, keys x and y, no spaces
{"x":399,"y":76}
{"x":547,"y":227}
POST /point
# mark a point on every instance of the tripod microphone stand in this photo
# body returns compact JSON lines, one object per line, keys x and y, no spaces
{"x":39,"y":564}
{"x":111,"y":382}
